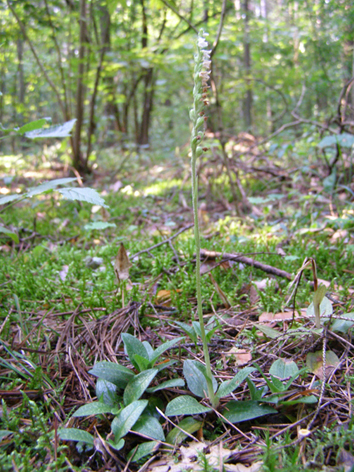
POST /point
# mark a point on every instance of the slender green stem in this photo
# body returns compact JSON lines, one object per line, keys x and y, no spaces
{"x":198,"y":277}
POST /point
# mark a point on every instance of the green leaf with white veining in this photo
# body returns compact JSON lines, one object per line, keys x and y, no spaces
{"x":189,"y":424}
{"x":118,"y":445}
{"x":127,"y":418}
{"x":73,"y":434}
{"x":162,"y":348}
{"x":187,"y":329}
{"x":195,"y":374}
{"x":88,"y":195}
{"x":230,"y":385}
{"x":149,"y":426}
{"x":238,"y":411}
{"x":143,"y":450}
{"x":167,"y":384}
{"x":185,"y":405}
{"x":94,"y":408}
{"x":106,"y":392}
{"x":137,"y":385}
{"x":112,"y":372}
{"x":133,"y":346}
{"x":343,"y":326}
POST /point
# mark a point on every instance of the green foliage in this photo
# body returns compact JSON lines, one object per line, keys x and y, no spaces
{"x":113,"y":377}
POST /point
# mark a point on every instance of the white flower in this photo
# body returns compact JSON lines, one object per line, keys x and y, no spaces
{"x":202,"y":43}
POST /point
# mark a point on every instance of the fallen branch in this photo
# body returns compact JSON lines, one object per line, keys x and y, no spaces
{"x":246,"y":260}
{"x":167,"y":240}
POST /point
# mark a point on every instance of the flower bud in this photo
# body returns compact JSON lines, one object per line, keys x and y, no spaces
{"x":199,"y":151}
{"x":200,"y":122}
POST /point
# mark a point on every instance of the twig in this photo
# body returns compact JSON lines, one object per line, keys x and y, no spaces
{"x":248,"y":261}
{"x":167,"y":240}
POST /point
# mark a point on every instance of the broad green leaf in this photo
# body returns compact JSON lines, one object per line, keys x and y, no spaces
{"x":149,"y":349}
{"x":270,"y":384}
{"x":326,"y":308}
{"x":143,"y":450}
{"x":318,"y":296}
{"x":277,"y":385}
{"x":230,"y":385}
{"x":344,"y":140}
{"x":133,"y":346}
{"x":189,"y":424}
{"x":256,"y":393}
{"x":137,"y":386}
{"x":187,"y":329}
{"x":118,"y":445}
{"x":98,"y":225}
{"x":10,"y":234}
{"x":112,"y":372}
{"x":269,"y":332}
{"x":50,"y":185}
{"x":94,"y":408}
{"x":195,"y":374}
{"x":167,"y":384}
{"x":185,"y":405}
{"x":73,"y":434}
{"x":106,"y":392}
{"x":58,"y":131}
{"x":283,"y":368}
{"x":140,"y":362}
{"x":308,"y":400}
{"x":164,"y":365}
{"x":4,"y":433}
{"x":327,"y":141}
{"x":83,"y":194}
{"x":161,"y":349}
{"x":127,"y":418}
{"x":343,"y":325}
{"x":38,"y":124}
{"x":10,"y":198}
{"x":150,"y":427}
{"x":238,"y":411}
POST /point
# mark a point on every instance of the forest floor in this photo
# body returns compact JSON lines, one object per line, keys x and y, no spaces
{"x":62,"y":310}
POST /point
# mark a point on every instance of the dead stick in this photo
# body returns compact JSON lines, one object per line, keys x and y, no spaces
{"x":248,"y":261}
{"x":167,"y":240}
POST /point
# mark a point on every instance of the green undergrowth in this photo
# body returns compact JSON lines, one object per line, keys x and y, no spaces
{"x":50,"y":272}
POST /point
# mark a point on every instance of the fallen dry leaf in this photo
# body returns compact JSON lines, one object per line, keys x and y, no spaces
{"x":163,"y":297}
{"x":338,"y":235}
{"x":242,"y":356}
{"x":314,"y":362}
{"x":122,"y":264}
{"x":265,"y":283}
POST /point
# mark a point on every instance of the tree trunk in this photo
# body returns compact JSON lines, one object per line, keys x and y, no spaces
{"x":247,"y":102}
{"x":147,"y":107}
{"x":78,"y":161}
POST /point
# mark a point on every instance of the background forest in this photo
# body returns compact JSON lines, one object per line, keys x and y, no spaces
{"x":105,"y":362}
